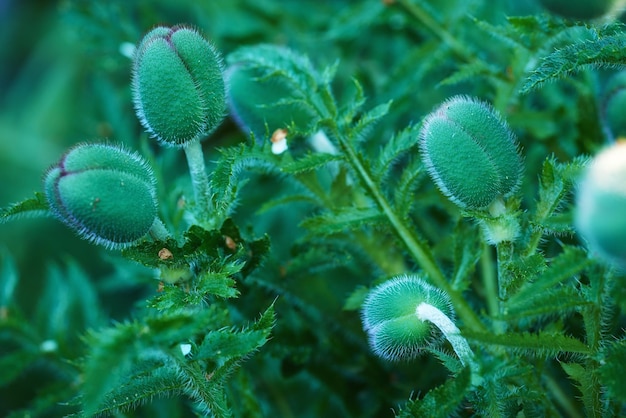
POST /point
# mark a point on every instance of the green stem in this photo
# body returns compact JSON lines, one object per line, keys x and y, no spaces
{"x":505,"y":251}
{"x":416,"y":247}
{"x":432,"y":314}
{"x":490,"y":281}
{"x":199,"y":179}
{"x":158,"y":231}
{"x":435,"y":27}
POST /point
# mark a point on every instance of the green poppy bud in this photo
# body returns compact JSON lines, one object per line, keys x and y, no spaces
{"x":178,"y":85}
{"x":470,"y":153}
{"x":613,"y":105}
{"x":104,"y":193}
{"x":601,"y":204}
{"x":578,"y":9}
{"x":389,"y":316}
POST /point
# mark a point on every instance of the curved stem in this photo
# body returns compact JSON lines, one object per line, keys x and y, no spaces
{"x":416,"y":247}
{"x":430,"y":313}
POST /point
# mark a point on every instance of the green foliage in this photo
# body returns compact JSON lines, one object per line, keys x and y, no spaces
{"x":165,"y":327}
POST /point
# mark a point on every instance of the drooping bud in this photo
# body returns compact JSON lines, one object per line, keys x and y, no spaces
{"x":601,"y":204}
{"x":391,"y":320}
{"x":178,"y":85}
{"x":104,"y":193}
{"x":470,"y":153}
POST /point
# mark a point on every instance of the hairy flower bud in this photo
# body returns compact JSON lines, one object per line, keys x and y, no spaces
{"x":390,"y":319}
{"x":601,"y":204}
{"x":104,"y":193}
{"x":178,"y":85}
{"x":470,"y":153}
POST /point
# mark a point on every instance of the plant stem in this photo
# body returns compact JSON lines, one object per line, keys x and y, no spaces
{"x":504,"y":250}
{"x":158,"y":231}
{"x":199,"y":179}
{"x":417,"y":248}
{"x":435,"y":27}
{"x":490,"y":280}
{"x":430,"y":313}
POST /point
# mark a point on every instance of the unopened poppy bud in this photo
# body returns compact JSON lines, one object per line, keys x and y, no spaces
{"x":470,"y":153}
{"x":601,"y":204}
{"x":389,"y":316}
{"x":104,"y":193}
{"x":178,"y":85}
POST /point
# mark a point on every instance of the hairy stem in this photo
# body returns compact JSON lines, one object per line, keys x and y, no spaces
{"x":158,"y":231}
{"x":490,"y":281}
{"x":432,"y":314}
{"x":199,"y":179}
{"x":417,"y":248}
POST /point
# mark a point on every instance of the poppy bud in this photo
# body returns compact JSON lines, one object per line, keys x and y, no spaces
{"x":178,"y":85}
{"x":104,"y":193}
{"x":601,"y":204}
{"x":470,"y":153}
{"x":390,"y":319}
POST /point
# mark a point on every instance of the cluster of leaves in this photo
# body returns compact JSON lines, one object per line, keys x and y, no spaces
{"x":350,"y":205}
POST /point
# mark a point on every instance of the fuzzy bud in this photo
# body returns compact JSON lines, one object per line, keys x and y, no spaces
{"x":390,"y":318}
{"x":104,"y":193}
{"x":178,"y":85}
{"x":601,"y":204}
{"x":470,"y":153}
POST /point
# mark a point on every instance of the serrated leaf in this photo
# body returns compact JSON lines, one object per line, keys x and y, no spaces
{"x":540,"y":345}
{"x":549,"y":302}
{"x":443,"y":401}
{"x":366,"y":122}
{"x":310,"y":162}
{"x":613,"y":369}
{"x":394,"y":149}
{"x":570,"y":263}
{"x":586,"y":381}
{"x":347,"y":219}
{"x":33,"y":207}
{"x":601,"y":50}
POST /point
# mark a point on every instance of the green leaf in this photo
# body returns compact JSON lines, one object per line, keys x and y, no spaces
{"x":366,"y":122}
{"x":586,"y":381}
{"x":347,"y":219}
{"x":540,"y":345}
{"x":567,"y":265}
{"x":605,"y":48}
{"x":443,"y":401}
{"x":34,"y":207}
{"x":393,"y":149}
{"x":310,"y":162}
{"x":613,"y":369}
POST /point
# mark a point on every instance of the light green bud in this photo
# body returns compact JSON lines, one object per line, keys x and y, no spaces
{"x":601,"y":205}
{"x":470,"y":153}
{"x":389,"y":316}
{"x":178,"y":85}
{"x":104,"y":193}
